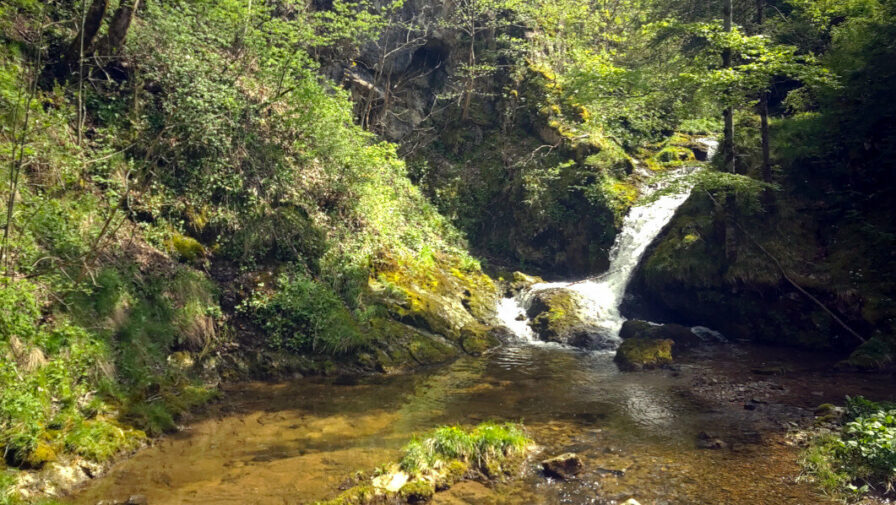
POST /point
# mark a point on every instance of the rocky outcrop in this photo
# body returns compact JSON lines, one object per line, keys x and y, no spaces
{"x":692,"y":276}
{"x":435,"y":312}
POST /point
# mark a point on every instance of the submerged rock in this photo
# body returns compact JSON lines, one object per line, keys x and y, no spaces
{"x":710,"y":441}
{"x":564,"y":466}
{"x":643,"y":353}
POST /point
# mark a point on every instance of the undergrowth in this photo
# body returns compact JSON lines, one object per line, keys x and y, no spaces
{"x":860,"y":456}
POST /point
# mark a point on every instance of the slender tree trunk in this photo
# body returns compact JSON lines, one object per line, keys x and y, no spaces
{"x":763,"y":128}
{"x":471,"y":78}
{"x":728,"y":149}
{"x":728,"y":113}
{"x":767,"y":195}
{"x":763,"y":107}
{"x":119,"y":26}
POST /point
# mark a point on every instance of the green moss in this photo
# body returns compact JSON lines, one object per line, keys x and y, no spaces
{"x":876,"y":353}
{"x":641,"y":353}
{"x":476,"y":338}
{"x":40,"y":455}
{"x":486,"y":444}
{"x":554,"y":315}
{"x":417,"y":491}
{"x":186,"y":247}
{"x":100,"y":439}
{"x":358,"y":495}
{"x":445,"y":296}
{"x":440,"y":459}
{"x":675,"y":155}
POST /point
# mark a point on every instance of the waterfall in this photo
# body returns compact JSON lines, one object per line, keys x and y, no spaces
{"x":602,"y":295}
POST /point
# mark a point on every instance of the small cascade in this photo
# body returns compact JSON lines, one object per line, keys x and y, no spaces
{"x":602,"y":295}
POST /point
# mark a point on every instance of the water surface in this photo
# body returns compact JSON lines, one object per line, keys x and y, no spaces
{"x":299,"y":442}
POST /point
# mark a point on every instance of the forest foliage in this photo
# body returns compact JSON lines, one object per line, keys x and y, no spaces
{"x":163,"y":155}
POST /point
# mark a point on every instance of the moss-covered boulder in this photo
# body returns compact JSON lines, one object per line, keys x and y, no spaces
{"x":417,"y":491}
{"x":556,"y":315}
{"x":643,"y":353}
{"x":877,"y":353}
{"x":437,"y":307}
{"x":520,"y":282}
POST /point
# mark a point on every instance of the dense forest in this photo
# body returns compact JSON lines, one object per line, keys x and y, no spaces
{"x":202,"y":192}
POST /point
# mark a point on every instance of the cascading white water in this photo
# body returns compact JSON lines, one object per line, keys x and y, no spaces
{"x":601,"y":296}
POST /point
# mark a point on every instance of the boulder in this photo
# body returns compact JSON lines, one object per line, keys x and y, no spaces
{"x":681,"y":335}
{"x":564,"y":466}
{"x":522,"y":282}
{"x":556,"y":316}
{"x":643,"y":353}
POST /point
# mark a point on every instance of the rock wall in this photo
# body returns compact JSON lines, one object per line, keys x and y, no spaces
{"x":687,"y":277}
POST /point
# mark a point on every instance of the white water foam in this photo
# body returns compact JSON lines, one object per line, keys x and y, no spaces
{"x":602,"y":295}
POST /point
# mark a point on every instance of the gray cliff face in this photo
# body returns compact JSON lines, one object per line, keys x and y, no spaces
{"x":397,"y":80}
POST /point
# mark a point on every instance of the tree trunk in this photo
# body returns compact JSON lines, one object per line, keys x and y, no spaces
{"x":767,"y":195}
{"x":92,"y":21}
{"x":728,"y":114}
{"x":763,"y":128}
{"x":119,"y":26}
{"x":471,"y":78}
{"x":728,"y":150}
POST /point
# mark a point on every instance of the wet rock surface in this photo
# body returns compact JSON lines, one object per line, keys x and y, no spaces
{"x":643,"y":353}
{"x":564,"y":466}
{"x":556,"y":316}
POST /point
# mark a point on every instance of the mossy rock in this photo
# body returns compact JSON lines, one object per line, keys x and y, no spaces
{"x":358,"y":495}
{"x":477,"y":338}
{"x":417,"y":491}
{"x":439,"y":298}
{"x":556,"y":316}
{"x":643,"y":353}
{"x":521,"y":282}
{"x":877,"y":353}
{"x":430,"y":350}
{"x":35,"y":458}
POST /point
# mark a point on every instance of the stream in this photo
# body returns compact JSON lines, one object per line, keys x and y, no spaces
{"x":638,"y":433}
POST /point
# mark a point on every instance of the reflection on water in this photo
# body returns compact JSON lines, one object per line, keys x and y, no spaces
{"x":299,"y":442}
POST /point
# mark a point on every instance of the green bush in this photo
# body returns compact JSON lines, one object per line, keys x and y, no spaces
{"x":303,"y":315}
{"x":862,"y":456}
{"x":868,"y":448}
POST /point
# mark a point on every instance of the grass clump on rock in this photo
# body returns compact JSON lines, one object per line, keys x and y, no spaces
{"x":484,"y":448}
{"x":443,"y":457}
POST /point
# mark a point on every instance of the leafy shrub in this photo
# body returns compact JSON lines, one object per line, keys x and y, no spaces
{"x":868,"y":448}
{"x":862,"y":456}
{"x":305,"y":315}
